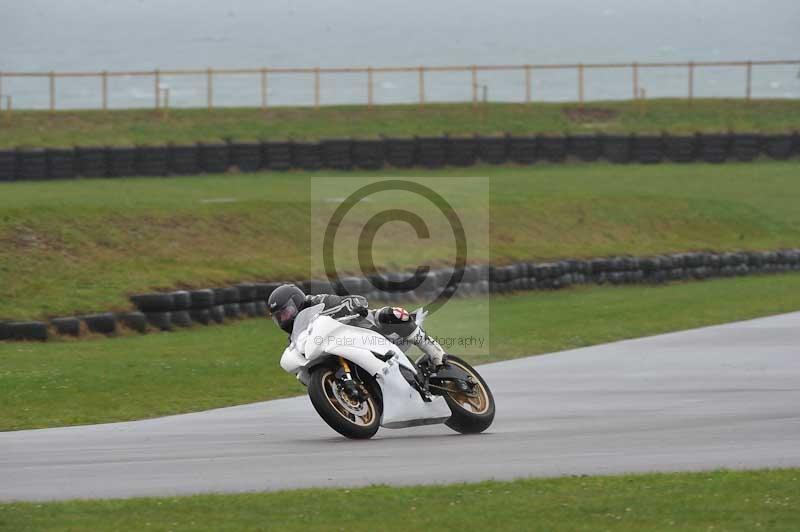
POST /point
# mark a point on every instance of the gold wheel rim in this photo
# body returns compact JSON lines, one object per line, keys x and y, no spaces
{"x":337,"y":401}
{"x":475,"y":404}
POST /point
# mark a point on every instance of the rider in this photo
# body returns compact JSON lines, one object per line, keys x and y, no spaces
{"x":395,"y":323}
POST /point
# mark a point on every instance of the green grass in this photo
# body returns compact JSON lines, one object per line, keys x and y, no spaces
{"x":127,"y":127}
{"x":718,"y":500}
{"x":80,"y":382}
{"x":81,"y":246}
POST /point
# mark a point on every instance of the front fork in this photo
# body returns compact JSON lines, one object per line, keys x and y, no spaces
{"x":352,"y":388}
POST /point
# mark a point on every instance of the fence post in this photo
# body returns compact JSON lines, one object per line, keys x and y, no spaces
{"x":104,"y":89}
{"x":263,"y":89}
{"x":210,"y":88}
{"x":165,"y":110}
{"x":580,"y":85}
{"x":691,"y":82}
{"x":156,"y":84}
{"x":316,"y":88}
{"x":474,"y":86}
{"x":369,"y":88}
{"x":527,"y":84}
{"x":749,"y":90}
{"x":635,"y":67}
{"x":52,"y":91}
{"x":421,"y":86}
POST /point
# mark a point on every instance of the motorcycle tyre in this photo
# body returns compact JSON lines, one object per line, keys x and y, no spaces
{"x":332,"y":417}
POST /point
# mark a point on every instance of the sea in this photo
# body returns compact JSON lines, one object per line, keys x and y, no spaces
{"x":41,"y":36}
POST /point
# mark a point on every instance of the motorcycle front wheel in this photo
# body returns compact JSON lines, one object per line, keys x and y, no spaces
{"x":352,"y":418}
{"x":471,"y":412}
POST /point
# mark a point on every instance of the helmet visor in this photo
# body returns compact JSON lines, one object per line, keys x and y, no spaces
{"x":285,"y":315}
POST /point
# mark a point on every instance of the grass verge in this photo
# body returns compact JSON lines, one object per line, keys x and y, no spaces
{"x":80,"y":382}
{"x":82,"y":246}
{"x":127,"y":127}
{"x":719,"y":500}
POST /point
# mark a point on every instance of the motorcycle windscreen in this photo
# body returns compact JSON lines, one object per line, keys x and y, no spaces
{"x":302,"y":321}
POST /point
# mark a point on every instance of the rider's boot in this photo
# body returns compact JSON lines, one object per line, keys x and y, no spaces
{"x":397,"y":322}
{"x":429,"y":346}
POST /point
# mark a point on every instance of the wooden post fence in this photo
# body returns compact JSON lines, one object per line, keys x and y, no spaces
{"x":421,"y":86}
{"x":474,"y":70}
{"x":52,"y":91}
{"x":528,"y":84}
{"x":104,"y":89}
{"x":316,"y":88}
{"x":157,"y":84}
{"x":210,"y":88}
{"x":263,"y":89}
{"x":49,"y":97}
{"x":369,"y":88}
{"x":749,"y":89}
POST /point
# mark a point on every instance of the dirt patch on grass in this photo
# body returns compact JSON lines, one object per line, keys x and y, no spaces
{"x":590,"y":114}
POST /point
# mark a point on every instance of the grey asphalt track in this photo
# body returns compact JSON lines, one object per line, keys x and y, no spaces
{"x":726,"y":396}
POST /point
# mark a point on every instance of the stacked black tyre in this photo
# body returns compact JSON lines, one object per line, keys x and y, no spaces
{"x":8,"y":165}
{"x":369,"y":154}
{"x":246,"y":156}
{"x":337,"y":154}
{"x":401,"y":153}
{"x":277,"y":155}
{"x":32,"y":164}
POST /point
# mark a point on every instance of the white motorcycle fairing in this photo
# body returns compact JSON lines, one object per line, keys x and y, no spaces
{"x":315,"y":338}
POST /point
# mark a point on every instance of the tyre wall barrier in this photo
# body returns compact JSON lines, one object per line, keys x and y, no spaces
{"x":166,"y":311}
{"x":714,"y":148}
{"x":277,"y":155}
{"x":183,"y":159}
{"x":745,"y":148}
{"x":585,"y":147}
{"x":617,"y":148}
{"x":369,"y":154}
{"x":103,"y":323}
{"x":681,"y":149}
{"x":121,"y":161}
{"x":32,"y":164}
{"x":552,"y":149}
{"x":462,"y":151}
{"x":493,"y":150}
{"x":432,"y":151}
{"x":781,"y":146}
{"x":91,"y":161}
{"x":306,"y":155}
{"x":8,"y":165}
{"x":337,"y":154}
{"x":246,"y":156}
{"x":427,"y":152}
{"x":648,"y":149}
{"x":69,"y":326}
{"x":401,"y":153}
{"x":522,"y":150}
{"x":214,"y":157}
{"x":151,"y":160}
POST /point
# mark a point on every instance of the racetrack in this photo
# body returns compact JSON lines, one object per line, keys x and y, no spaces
{"x":725,"y":396}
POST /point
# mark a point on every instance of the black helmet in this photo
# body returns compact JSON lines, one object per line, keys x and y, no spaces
{"x":284,"y":304}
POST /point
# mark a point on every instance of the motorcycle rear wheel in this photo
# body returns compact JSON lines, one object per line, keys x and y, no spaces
{"x":471,"y":414}
{"x":358,"y":420}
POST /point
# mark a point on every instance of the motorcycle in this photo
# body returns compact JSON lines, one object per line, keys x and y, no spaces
{"x":358,"y":380}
